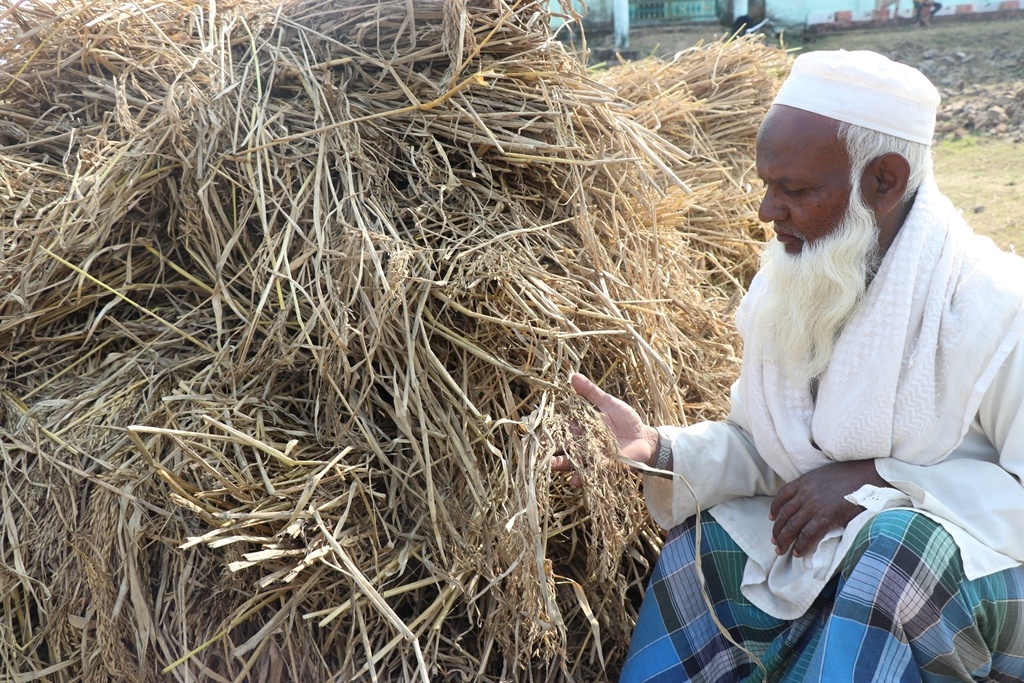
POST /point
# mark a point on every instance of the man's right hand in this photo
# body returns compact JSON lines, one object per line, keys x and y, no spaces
{"x":637,"y":441}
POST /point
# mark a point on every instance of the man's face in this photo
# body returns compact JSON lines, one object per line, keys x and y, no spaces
{"x":806,"y":175}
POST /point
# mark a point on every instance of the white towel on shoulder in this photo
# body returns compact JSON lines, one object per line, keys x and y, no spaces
{"x":912,"y":364}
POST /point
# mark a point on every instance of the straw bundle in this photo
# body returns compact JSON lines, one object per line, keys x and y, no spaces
{"x":709,"y":101}
{"x":290,"y":297}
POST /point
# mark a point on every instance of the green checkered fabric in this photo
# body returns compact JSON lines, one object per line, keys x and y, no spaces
{"x":900,"y":610}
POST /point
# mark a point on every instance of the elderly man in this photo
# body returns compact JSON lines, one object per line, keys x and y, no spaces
{"x":864,"y":508}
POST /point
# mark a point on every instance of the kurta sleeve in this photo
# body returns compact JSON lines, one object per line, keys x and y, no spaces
{"x":717,"y":460}
{"x":978,"y":487}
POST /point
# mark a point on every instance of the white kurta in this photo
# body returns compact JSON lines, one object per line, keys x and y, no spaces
{"x":975,"y":494}
{"x":937,"y":339}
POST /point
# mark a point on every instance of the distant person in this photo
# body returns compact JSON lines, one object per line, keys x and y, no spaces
{"x":862,"y":512}
{"x":744,"y":25}
{"x":923,"y":11}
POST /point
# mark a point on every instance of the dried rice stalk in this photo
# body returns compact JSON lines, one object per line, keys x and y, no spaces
{"x":292,"y":295}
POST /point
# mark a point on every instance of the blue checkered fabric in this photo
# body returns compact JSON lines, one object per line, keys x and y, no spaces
{"x":900,"y":611}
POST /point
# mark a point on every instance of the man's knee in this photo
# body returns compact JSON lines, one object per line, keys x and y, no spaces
{"x":896,"y":544}
{"x":906,"y":539}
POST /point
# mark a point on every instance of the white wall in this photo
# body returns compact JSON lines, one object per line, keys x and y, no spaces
{"x":797,"y":12}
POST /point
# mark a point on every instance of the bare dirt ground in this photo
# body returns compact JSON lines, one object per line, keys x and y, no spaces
{"x":978,"y":67}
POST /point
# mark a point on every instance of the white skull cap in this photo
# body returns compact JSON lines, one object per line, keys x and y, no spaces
{"x":866,"y":89}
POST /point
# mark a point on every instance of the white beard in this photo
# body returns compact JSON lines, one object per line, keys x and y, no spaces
{"x":808,"y":297}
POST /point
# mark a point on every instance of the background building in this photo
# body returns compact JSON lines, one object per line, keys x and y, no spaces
{"x":811,"y":14}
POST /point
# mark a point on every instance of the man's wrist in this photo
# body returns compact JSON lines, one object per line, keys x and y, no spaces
{"x":663,"y":455}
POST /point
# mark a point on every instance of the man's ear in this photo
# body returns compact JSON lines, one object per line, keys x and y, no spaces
{"x":884,"y":183}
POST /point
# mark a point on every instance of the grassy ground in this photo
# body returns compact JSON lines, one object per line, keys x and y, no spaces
{"x":985,"y":179}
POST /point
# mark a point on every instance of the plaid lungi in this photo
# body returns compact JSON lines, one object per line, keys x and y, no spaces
{"x":900,"y":610}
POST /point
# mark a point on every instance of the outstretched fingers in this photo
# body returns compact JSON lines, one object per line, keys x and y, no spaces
{"x":594,"y":394}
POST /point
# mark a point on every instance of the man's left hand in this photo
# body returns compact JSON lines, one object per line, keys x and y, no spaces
{"x":808,"y":507}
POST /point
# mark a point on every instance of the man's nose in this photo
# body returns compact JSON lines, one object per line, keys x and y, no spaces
{"x":771,"y":209}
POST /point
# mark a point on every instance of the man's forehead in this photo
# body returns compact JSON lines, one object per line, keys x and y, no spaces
{"x":796,"y":120}
{"x":788,"y":134}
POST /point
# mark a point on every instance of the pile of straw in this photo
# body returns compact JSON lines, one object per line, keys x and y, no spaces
{"x":703,"y":100}
{"x":290,"y":295}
